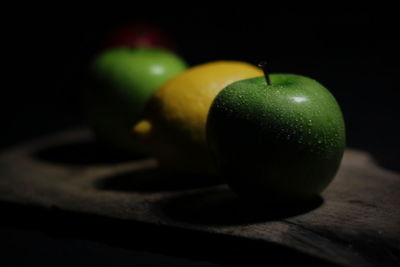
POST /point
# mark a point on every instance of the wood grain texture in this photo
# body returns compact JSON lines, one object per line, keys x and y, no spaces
{"x":355,"y":223}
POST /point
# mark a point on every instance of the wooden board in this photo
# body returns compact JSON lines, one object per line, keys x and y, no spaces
{"x":356,"y":222}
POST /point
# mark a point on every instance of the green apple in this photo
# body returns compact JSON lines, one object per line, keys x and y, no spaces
{"x":276,"y":137}
{"x":122,"y":81}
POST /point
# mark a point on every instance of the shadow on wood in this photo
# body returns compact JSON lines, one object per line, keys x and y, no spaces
{"x":167,"y":240}
{"x":83,"y":153}
{"x":357,"y":225}
{"x":223,"y":207}
{"x":154,"y":180}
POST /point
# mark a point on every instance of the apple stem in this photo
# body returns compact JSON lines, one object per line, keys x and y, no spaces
{"x":263,"y":66}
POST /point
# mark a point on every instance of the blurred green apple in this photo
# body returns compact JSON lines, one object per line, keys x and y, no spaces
{"x":121,"y":82}
{"x":278,"y":137}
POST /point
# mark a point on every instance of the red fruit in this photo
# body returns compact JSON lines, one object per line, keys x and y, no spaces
{"x":139,"y":35}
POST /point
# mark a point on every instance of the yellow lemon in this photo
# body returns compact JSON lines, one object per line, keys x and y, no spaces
{"x":174,"y":124}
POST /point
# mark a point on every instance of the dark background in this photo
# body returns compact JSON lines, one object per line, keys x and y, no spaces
{"x":353,"y":52}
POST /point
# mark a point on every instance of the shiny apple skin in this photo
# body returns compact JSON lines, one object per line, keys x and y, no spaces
{"x":281,"y":141}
